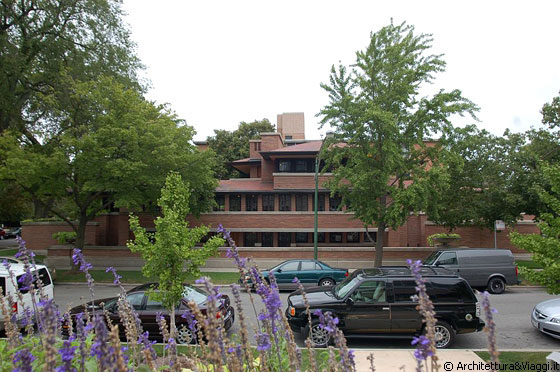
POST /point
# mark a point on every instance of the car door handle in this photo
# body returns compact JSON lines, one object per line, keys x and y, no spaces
{"x":385,"y":308}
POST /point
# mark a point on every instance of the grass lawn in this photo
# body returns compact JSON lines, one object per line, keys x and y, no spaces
{"x":529,"y":360}
{"x":12,"y":252}
{"x":101,"y":276}
{"x":529,"y":264}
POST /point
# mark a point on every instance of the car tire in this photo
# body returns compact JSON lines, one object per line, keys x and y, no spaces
{"x":496,"y":285}
{"x":319,"y":336}
{"x":326,"y":282}
{"x":444,"y":335}
{"x":185,"y":335}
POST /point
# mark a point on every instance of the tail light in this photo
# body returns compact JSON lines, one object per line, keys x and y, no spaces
{"x":14,"y":307}
{"x":516,"y":270}
{"x":346,"y":273}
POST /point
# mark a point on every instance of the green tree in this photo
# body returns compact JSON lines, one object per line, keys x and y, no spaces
{"x":173,"y":256}
{"x":42,"y":41}
{"x":231,"y":146}
{"x":385,"y":170}
{"x":545,"y":246}
{"x":114,"y":149}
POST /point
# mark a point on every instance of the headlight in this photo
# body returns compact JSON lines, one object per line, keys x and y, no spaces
{"x":555,"y":320}
{"x":292,"y":311}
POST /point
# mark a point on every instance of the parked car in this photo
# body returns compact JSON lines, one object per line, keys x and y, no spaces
{"x":2,"y":234}
{"x":13,"y":260}
{"x":309,"y":273}
{"x":8,"y":289}
{"x":147,"y":310}
{"x":489,"y":268}
{"x":13,"y":233}
{"x":378,"y":303}
{"x":546,"y":317}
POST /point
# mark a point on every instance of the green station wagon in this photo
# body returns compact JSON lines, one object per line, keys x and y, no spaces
{"x":309,"y":272}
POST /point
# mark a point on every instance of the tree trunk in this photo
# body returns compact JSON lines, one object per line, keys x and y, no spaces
{"x":81,"y":233}
{"x":379,"y":244}
{"x":41,"y":209}
{"x":172,"y":326}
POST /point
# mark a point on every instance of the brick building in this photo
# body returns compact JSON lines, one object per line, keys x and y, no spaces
{"x":271,"y":212}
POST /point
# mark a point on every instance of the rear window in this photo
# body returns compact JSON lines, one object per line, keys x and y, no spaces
{"x":404,"y":290}
{"x":43,"y":276}
{"x":441,"y":290}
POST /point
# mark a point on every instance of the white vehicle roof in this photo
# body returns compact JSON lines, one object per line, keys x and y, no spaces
{"x":17,"y":269}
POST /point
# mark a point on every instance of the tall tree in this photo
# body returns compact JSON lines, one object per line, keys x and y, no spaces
{"x":172,"y":257}
{"x":385,"y":170}
{"x":43,"y":41}
{"x":114,"y":149}
{"x":230,"y":146}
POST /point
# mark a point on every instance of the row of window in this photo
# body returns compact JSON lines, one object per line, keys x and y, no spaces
{"x":285,"y":238}
{"x":269,"y":205}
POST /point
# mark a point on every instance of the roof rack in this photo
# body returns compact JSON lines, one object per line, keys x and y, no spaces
{"x":405,"y":270}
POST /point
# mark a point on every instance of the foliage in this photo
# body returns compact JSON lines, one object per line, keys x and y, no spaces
{"x":173,"y":256}
{"x":14,"y":207}
{"x":545,"y":246}
{"x":113,"y":150}
{"x":385,"y":170}
{"x":434,"y":237}
{"x":231,"y":146}
{"x":64,"y":237}
{"x":43,"y":41}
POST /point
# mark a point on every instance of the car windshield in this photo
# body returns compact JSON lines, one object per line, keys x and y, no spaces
{"x":344,"y":287}
{"x":432,"y":258}
{"x":194,"y":294}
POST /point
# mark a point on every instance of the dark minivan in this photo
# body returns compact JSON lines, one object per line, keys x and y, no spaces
{"x":378,"y":303}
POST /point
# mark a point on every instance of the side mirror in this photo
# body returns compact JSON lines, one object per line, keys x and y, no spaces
{"x":437,"y":264}
{"x":279,"y":271}
{"x":349,"y":301}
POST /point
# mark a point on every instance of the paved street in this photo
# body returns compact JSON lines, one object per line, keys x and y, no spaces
{"x":514,"y":328}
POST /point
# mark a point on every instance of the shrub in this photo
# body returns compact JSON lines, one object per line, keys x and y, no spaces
{"x":434,"y":237}
{"x":65,"y":237}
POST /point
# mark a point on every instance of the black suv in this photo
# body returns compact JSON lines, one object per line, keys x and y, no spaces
{"x":377,"y":303}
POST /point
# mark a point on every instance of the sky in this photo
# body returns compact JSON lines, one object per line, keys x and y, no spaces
{"x":217,"y":63}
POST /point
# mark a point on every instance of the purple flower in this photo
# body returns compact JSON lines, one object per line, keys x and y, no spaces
{"x":25,"y":281}
{"x":190,"y":318}
{"x":490,"y":327}
{"x":100,"y":347}
{"x":118,"y":278}
{"x":327,"y":322}
{"x":232,"y":252}
{"x":147,"y":344}
{"x":22,"y":361}
{"x":67,"y":355}
{"x":423,"y":350}
{"x":263,"y":341}
{"x":84,"y":266}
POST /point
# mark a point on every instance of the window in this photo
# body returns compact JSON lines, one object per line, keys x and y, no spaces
{"x":284,"y":239}
{"x":320,"y":237}
{"x":285,"y":202}
{"x":24,"y":285}
{"x":135,"y":300}
{"x":290,"y":266}
{"x":251,"y":203}
{"x":301,"y":202}
{"x":302,"y":166}
{"x":235,"y":203}
{"x":309,"y":265}
{"x":404,"y":290}
{"x":353,"y":237}
{"x":335,"y":237}
{"x":373,"y":235}
{"x":321,"y":202}
{"x":441,"y":290}
{"x":447,"y":258}
{"x":289,"y":137}
{"x":268,"y":203}
{"x":249,"y":239}
{"x":284,"y":166}
{"x":220,"y":203}
{"x":267,"y":239}
{"x":370,"y":292}
{"x":153,"y":305}
{"x":3,"y":285}
{"x":302,"y":237}
{"x":334,"y":203}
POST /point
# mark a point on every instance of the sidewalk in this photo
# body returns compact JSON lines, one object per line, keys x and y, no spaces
{"x":403,"y":360}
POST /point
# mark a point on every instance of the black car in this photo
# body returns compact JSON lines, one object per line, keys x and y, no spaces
{"x":378,"y":303}
{"x":147,"y":309}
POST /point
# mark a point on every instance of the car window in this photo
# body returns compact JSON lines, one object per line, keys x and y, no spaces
{"x":447,"y":258}
{"x":404,"y":290}
{"x":309,"y":265}
{"x":135,"y":300}
{"x":3,"y":285}
{"x":370,"y":292}
{"x":344,"y":287}
{"x":441,"y":290}
{"x":194,"y":294}
{"x":290,"y":266}
{"x":153,"y":304}
{"x":431,"y":258}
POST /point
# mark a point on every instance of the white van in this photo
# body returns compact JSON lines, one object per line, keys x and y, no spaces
{"x":9,"y":290}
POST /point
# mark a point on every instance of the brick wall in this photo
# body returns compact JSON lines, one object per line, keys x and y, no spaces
{"x":298,"y":182}
{"x":38,"y":235}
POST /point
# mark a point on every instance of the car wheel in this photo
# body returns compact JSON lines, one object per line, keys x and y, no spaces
{"x":326,"y":282}
{"x":318,"y":335}
{"x":185,"y":335}
{"x":444,"y":335}
{"x":496,"y":286}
